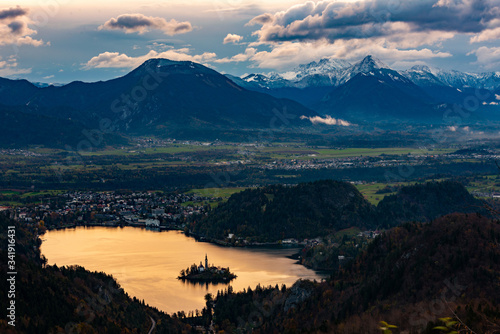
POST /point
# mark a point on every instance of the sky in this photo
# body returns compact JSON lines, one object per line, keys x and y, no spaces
{"x":59,"y":41}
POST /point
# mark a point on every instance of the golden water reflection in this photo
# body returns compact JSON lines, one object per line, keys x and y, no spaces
{"x":146,"y":263}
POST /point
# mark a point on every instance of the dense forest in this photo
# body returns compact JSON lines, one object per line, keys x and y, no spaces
{"x":424,"y":202}
{"x":277,"y":212}
{"x":51,"y":299}
{"x":320,"y":208}
{"x":410,"y":277}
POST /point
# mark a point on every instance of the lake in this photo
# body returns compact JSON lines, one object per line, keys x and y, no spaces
{"x":146,"y":263}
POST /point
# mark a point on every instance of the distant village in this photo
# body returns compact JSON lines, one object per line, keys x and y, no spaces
{"x":148,"y":209}
{"x":316,"y":162}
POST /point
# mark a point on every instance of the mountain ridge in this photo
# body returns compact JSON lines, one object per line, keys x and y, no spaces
{"x":160,"y":97}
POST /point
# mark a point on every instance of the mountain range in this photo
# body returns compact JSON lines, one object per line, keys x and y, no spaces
{"x":184,"y":99}
{"x":334,"y":72}
{"x":160,"y":97}
{"x":371,"y":90}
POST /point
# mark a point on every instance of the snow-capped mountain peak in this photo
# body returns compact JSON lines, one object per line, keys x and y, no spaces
{"x":324,"y":66}
{"x":256,"y":78}
{"x":421,"y":68}
{"x":368,"y":64}
{"x":335,"y":72}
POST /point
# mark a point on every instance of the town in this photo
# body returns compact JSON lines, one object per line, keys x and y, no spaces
{"x":148,"y":209}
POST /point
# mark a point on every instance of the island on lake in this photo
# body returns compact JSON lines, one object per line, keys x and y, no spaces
{"x":206,"y":273}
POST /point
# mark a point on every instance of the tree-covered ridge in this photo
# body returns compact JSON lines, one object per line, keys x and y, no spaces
{"x":424,"y":202}
{"x":410,"y":277}
{"x":70,"y":299}
{"x":319,"y":208}
{"x":277,"y":212}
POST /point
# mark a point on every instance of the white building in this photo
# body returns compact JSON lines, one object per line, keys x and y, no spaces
{"x":152,"y":222}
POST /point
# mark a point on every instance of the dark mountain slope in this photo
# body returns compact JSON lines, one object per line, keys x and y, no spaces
{"x":16,"y":92}
{"x":161,"y":96}
{"x":20,"y":127}
{"x":378,"y":96}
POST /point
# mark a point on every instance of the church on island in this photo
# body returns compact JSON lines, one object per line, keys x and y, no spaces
{"x":202,"y":268}
{"x":206,"y":273}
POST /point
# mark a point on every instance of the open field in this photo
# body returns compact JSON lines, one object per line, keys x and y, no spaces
{"x":276,"y":152}
{"x":326,"y":153}
{"x":194,"y":165}
{"x":191,"y":203}
{"x":173,"y":149}
{"x":10,"y":203}
{"x":369,"y":191}
{"x":351,"y":231}
{"x":225,"y":193}
{"x":484,"y":184}
{"x":42,"y":193}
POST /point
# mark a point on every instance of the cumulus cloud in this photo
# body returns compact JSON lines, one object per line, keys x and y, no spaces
{"x":247,"y":55}
{"x":121,"y":60}
{"x":9,"y":67}
{"x":488,"y":58}
{"x":333,"y":20}
{"x":232,"y":38}
{"x":327,"y":120}
{"x":14,"y":27}
{"x":289,"y":54}
{"x":140,"y":23}
{"x":486,"y":35}
{"x":397,"y":31}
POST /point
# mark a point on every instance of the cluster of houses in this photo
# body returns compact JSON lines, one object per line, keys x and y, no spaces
{"x":150,"y":209}
{"x":24,"y":153}
{"x":369,"y":234}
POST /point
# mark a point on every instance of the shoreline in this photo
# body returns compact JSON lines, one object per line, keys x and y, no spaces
{"x":198,"y":238}
{"x":220,"y":243}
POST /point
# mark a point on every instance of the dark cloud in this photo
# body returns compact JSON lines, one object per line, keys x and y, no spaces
{"x":140,"y":23}
{"x":16,"y":27}
{"x":183,"y":27}
{"x":378,"y":18}
{"x":261,"y":19}
{"x":12,"y":13}
{"x":130,"y":22}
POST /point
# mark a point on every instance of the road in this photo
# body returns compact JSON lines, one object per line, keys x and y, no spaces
{"x":153,"y":325}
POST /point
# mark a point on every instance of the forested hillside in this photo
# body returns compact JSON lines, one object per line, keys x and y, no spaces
{"x":319,"y":208}
{"x":410,"y":277}
{"x":427,"y":201}
{"x":277,"y":212}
